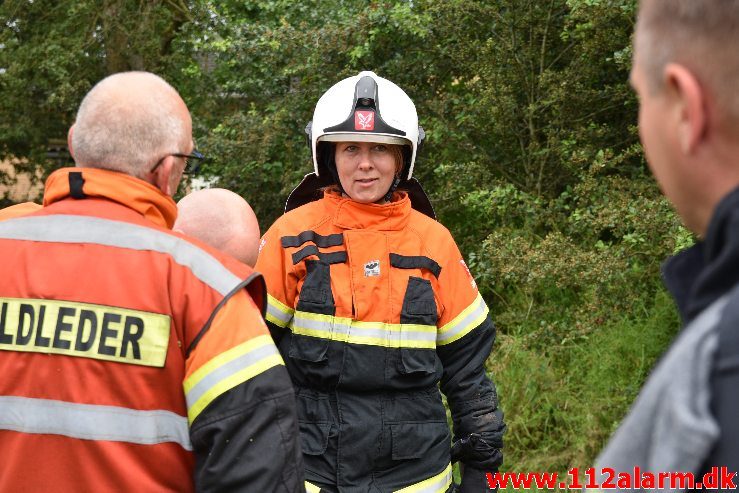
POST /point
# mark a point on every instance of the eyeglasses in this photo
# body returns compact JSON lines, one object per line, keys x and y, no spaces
{"x":192,"y":161}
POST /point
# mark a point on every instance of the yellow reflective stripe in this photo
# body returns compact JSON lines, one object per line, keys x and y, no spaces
{"x":227,"y":370}
{"x":435,"y":484}
{"x":84,"y":330}
{"x":461,"y":325}
{"x":277,"y":312}
{"x":369,"y":333}
{"x":311,"y":488}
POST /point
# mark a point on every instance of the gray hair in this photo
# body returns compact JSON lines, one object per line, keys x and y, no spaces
{"x":702,"y":35}
{"x":127,"y":122}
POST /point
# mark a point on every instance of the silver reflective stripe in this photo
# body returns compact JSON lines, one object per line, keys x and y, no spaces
{"x":411,"y":335}
{"x":91,"y":422}
{"x":82,"y":229}
{"x":391,"y":332}
{"x":281,"y":316}
{"x":227,"y":370}
{"x":336,"y":329}
{"x":464,"y":325}
{"x":320,"y":325}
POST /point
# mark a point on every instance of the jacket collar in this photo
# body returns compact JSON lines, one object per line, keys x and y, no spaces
{"x":136,"y":194}
{"x":698,"y":276}
{"x":348,"y":214}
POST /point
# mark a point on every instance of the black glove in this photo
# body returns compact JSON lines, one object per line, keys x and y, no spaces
{"x":474,"y":450}
{"x":474,"y":481}
{"x":476,"y":458}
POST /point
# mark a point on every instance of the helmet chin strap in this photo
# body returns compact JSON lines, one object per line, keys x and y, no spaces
{"x":393,"y":187}
{"x":335,"y":176}
{"x":330,"y":164}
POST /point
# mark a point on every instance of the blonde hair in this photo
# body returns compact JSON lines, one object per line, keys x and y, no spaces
{"x":397,"y":151}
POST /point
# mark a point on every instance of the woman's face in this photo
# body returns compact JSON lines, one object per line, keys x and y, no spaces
{"x":366,"y":169}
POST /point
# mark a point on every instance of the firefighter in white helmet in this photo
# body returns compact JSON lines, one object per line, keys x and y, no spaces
{"x":374,"y":309}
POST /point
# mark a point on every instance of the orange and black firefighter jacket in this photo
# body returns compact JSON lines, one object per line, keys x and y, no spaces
{"x":372,"y":306}
{"x":134,"y":358}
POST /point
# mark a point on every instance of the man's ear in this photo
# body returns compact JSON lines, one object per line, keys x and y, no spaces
{"x":69,"y":141}
{"x":691,"y":110}
{"x":163,"y":174}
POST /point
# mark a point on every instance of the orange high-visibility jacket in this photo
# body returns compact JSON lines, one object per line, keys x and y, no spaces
{"x":372,"y":307}
{"x":134,"y":358}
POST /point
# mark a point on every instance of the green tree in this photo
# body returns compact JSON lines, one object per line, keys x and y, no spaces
{"x":52,"y":53}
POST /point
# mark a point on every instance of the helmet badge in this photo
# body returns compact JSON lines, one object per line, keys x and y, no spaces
{"x":364,"y":120}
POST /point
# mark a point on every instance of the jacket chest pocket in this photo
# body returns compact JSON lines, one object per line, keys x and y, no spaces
{"x":312,"y":328}
{"x":315,"y":295}
{"x":418,"y":320}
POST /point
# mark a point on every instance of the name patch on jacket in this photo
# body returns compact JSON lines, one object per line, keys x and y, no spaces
{"x":84,"y":330}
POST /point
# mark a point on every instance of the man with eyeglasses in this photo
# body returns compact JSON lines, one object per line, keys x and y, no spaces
{"x":133,"y":358}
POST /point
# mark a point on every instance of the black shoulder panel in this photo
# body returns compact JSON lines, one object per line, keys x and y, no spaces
{"x":320,"y":240}
{"x":328,"y":258}
{"x":415,"y":262}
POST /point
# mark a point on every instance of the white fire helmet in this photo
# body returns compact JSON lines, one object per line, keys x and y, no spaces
{"x":364,"y":108}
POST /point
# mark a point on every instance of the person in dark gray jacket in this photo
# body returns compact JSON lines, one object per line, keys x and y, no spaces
{"x":685,"y":73}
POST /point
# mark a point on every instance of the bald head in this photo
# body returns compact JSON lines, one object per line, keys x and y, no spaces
{"x":127,"y":122}
{"x":221,"y":219}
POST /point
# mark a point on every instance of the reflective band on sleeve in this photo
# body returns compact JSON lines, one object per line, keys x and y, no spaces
{"x":84,"y":330}
{"x":311,"y":488}
{"x":464,"y":323}
{"x":369,"y":333}
{"x":63,"y":228}
{"x":227,"y":370}
{"x":435,"y":484}
{"x":92,"y":422}
{"x":277,"y":312}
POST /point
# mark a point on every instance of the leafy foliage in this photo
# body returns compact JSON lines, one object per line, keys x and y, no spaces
{"x":52,"y":53}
